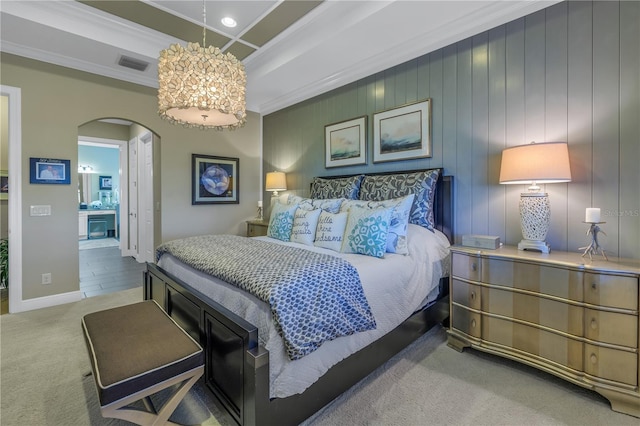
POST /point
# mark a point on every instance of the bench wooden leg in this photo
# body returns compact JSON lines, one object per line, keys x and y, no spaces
{"x":119,"y":410}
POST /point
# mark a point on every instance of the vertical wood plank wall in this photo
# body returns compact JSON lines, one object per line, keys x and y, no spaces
{"x":569,"y":73}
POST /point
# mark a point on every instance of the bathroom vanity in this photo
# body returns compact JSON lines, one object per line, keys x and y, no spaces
{"x":97,"y":223}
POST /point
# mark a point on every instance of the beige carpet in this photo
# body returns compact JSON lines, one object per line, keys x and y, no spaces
{"x":43,"y":361}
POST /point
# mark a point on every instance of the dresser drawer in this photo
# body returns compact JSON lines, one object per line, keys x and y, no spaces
{"x":609,"y":327}
{"x":554,"y":314}
{"x":466,"y":321}
{"x":611,"y":290}
{"x":538,"y":278}
{"x":466,"y":294}
{"x":532,"y":340}
{"x":464,"y":266}
{"x":611,"y":364}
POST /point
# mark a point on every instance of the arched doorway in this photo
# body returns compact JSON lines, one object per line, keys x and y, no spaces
{"x":125,"y":213}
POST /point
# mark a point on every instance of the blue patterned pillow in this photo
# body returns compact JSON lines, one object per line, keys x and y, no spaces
{"x":331,"y":205}
{"x":336,"y":188}
{"x":398,"y":222}
{"x":330,"y":230}
{"x":422,"y":184}
{"x":281,"y":221}
{"x":366,"y":231}
{"x":304,"y":226}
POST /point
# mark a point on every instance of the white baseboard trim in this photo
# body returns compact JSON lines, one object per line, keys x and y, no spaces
{"x":47,"y":301}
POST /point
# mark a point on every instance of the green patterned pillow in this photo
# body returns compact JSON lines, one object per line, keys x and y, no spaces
{"x":281,"y":221}
{"x":366,"y":231}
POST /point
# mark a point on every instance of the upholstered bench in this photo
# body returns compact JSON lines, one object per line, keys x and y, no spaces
{"x":135,"y":351}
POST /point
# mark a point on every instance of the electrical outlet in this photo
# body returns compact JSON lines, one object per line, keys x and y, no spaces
{"x":46,"y":278}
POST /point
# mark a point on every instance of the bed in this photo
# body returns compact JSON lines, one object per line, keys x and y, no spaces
{"x":248,"y":364}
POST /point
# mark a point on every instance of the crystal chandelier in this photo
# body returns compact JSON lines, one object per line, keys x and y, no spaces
{"x":201,"y":86}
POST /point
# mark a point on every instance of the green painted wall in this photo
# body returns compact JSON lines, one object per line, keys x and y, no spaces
{"x":569,"y":73}
{"x":55,"y":101}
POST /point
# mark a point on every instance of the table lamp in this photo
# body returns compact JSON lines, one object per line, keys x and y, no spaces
{"x":276,"y":181}
{"x":533,"y":164}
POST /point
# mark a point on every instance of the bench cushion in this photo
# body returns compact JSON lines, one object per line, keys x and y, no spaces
{"x":136,"y":346}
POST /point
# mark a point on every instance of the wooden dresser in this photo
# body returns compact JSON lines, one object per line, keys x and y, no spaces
{"x":559,"y":312}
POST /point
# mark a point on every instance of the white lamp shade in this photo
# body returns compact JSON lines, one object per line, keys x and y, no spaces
{"x":536,"y":162}
{"x":276,"y":181}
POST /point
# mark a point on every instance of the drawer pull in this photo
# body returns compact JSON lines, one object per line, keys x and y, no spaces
{"x":473,"y":295}
{"x":594,"y":286}
{"x":473,"y":323}
{"x":594,"y":359}
{"x":474,"y":267}
{"x":594,"y":324}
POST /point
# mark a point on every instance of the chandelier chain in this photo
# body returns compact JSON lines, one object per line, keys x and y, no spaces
{"x":204,"y":27}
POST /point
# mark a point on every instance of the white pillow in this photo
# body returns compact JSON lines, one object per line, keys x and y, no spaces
{"x":330,"y":230}
{"x":366,"y":231}
{"x":331,"y":205}
{"x":281,"y":221}
{"x":304,"y":226}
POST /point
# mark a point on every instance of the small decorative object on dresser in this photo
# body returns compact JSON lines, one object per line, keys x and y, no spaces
{"x":260,"y":211}
{"x":257,"y":228}
{"x":554,"y":312}
{"x":592,"y":216}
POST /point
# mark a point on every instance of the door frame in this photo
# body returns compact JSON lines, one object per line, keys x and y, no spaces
{"x":15,"y":199}
{"x":110,"y":144}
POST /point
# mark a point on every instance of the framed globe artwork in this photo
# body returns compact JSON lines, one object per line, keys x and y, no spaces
{"x":214,"y":180}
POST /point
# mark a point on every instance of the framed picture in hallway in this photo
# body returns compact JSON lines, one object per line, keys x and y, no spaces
{"x":4,"y":185}
{"x":402,"y":133}
{"x":346,"y":143}
{"x":106,"y":182}
{"x":49,"y":171}
{"x":214,"y":180}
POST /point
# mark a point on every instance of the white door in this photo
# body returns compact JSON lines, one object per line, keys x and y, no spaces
{"x":132,"y":217}
{"x":145,"y":198}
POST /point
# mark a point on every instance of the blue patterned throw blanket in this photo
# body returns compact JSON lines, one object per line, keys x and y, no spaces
{"x":314,"y":297}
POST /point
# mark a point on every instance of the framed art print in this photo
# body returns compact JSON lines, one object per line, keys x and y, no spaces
{"x":346,"y":143}
{"x":402,"y":133}
{"x":4,"y":185}
{"x":214,"y":180}
{"x":49,"y":171}
{"x":106,"y":183}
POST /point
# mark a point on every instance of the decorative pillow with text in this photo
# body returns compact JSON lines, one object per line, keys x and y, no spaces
{"x":305,"y":223}
{"x":330,"y":230}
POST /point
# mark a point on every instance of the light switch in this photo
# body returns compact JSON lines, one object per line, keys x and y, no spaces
{"x":40,"y":210}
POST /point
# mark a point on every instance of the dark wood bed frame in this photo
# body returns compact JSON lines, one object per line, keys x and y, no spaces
{"x":237,"y":367}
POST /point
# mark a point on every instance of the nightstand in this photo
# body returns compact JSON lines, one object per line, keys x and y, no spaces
{"x":559,"y":312}
{"x":257,"y":228}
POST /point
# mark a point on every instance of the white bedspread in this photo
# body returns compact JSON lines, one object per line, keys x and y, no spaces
{"x":395,"y":287}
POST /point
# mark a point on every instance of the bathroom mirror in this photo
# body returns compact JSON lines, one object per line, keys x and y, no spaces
{"x":84,"y":188}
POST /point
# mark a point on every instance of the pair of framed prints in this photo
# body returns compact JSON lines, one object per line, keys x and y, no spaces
{"x":398,"y":134}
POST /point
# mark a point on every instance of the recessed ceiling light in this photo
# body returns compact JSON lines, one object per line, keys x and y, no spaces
{"x":228,"y":21}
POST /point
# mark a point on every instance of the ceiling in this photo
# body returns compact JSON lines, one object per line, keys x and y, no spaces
{"x":292,"y":49}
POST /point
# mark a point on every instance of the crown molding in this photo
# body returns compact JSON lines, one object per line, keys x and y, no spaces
{"x":491,"y":16}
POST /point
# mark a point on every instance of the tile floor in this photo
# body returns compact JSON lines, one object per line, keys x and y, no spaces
{"x":104,"y":270}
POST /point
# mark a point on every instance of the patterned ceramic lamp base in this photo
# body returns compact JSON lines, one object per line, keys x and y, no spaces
{"x":535,"y":212}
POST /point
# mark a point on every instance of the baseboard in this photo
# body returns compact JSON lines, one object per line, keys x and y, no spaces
{"x":47,"y":301}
